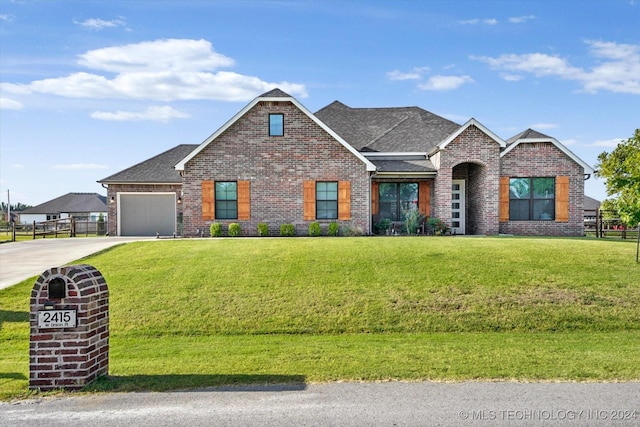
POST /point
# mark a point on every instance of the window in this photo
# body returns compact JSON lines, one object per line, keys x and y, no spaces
{"x":397,"y":198}
{"x":226,"y":200}
{"x":326,"y":200}
{"x":276,"y":124}
{"x":532,"y":199}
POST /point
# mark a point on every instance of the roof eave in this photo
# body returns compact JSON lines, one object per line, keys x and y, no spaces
{"x":587,"y":169}
{"x":470,"y":122}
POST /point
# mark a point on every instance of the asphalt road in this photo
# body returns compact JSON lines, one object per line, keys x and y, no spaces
{"x":345,"y":404}
{"x":21,"y":260}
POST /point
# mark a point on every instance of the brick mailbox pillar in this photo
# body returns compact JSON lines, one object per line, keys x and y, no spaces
{"x":69,"y":318}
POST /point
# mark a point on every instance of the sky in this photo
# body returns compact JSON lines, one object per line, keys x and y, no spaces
{"x":89,"y":88}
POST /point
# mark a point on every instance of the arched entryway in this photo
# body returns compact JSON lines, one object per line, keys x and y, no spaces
{"x":469,"y":198}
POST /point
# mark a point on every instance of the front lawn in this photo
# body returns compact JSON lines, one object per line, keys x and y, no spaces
{"x":206,"y":312}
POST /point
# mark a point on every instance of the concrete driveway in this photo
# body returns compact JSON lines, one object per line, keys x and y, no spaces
{"x":21,"y":260}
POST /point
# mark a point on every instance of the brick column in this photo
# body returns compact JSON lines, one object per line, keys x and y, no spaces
{"x":69,"y":357}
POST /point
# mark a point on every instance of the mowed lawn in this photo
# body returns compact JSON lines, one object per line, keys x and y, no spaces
{"x":204,"y":312}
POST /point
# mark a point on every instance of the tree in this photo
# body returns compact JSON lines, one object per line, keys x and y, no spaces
{"x":621,"y":169}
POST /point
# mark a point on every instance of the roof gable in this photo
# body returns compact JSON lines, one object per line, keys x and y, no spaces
{"x":272,"y":96}
{"x":469,"y":123}
{"x":531,"y":136}
{"x":71,"y":203}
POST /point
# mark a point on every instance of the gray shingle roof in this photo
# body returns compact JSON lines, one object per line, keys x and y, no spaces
{"x":527,"y":134}
{"x":158,"y":169}
{"x":403,"y":166}
{"x":275,"y":93}
{"x":397,"y":129}
{"x":71,"y":203}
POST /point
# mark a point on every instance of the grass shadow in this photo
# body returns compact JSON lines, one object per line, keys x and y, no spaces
{"x":13,"y":316}
{"x":191,"y":382}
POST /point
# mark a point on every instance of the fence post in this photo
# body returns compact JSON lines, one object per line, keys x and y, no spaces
{"x":34,"y":230}
{"x":13,"y":231}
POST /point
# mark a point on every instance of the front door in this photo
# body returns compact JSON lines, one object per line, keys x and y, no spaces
{"x":457,"y":206}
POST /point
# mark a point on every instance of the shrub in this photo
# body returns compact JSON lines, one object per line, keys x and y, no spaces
{"x":314,"y":229}
{"x":383,"y":226}
{"x":215,"y":229}
{"x":287,"y":230}
{"x":234,"y":229}
{"x":352,"y":231}
{"x":413,"y":221}
{"x":334,"y":229}
{"x":438,"y":226}
{"x":263,"y":229}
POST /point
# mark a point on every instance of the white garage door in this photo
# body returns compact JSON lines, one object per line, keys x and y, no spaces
{"x":147,"y":214}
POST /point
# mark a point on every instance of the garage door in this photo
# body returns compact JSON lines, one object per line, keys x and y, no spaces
{"x":147,"y":214}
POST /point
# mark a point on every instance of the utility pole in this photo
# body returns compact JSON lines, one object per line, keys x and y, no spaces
{"x":8,"y":207}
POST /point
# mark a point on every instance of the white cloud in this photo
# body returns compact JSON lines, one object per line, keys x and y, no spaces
{"x":445,"y":82}
{"x":78,"y":166}
{"x":511,"y":77}
{"x":476,"y":21}
{"x":7,"y":17}
{"x":99,"y":24}
{"x":617,"y":70}
{"x":608,"y":143}
{"x":162,"y":70}
{"x":415,"y":74}
{"x":521,"y":19}
{"x":155,"y":113}
{"x":10,"y":104}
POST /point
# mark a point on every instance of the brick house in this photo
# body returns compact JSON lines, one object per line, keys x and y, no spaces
{"x":275,"y":162}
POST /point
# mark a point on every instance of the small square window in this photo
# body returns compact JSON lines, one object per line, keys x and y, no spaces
{"x":276,"y":124}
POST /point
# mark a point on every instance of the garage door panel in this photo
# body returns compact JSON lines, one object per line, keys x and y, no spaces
{"x":147,"y":214}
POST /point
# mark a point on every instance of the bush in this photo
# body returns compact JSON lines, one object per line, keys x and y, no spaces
{"x":215,"y":229}
{"x":383,"y":226}
{"x":234,"y":229}
{"x":314,"y":229}
{"x":287,"y":230}
{"x":263,"y":229}
{"x":438,"y":226}
{"x":352,"y":231}
{"x":413,"y":221}
{"x":334,"y":229}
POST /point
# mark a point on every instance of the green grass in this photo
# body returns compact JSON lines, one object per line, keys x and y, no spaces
{"x":195,"y":313}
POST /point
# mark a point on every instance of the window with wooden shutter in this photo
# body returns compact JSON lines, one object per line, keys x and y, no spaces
{"x":244,"y":200}
{"x":309,"y":200}
{"x":208,"y":201}
{"x":424,"y":198}
{"x":504,"y":199}
{"x":344,"y":200}
{"x":562,"y":199}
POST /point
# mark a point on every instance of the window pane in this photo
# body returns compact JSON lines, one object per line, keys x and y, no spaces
{"x":519,"y":210}
{"x":226,"y":210}
{"x":543,"y":210}
{"x":519,"y":188}
{"x":276,"y":124}
{"x":544,"y":188}
{"x":226,"y":191}
{"x":326,"y":209}
{"x":388,"y":191}
{"x":327,"y":191}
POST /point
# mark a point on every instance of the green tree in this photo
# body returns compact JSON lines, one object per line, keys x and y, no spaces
{"x":621,"y":169}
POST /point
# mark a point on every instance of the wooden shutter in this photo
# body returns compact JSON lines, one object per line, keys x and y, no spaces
{"x":344,"y":200}
{"x":424,"y":198}
{"x":562,"y":199}
{"x":375,"y":207}
{"x":244,"y":201}
{"x":504,"y":199}
{"x":208,"y":201}
{"x":309,"y":200}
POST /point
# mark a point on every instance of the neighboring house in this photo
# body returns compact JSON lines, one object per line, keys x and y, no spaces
{"x":82,"y":206}
{"x":276,"y":162}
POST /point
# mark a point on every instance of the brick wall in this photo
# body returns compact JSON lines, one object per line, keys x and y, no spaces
{"x":276,"y":168}
{"x":474,"y":157}
{"x":543,"y":159}
{"x":70,"y":357}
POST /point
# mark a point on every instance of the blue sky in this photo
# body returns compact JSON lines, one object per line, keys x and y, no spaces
{"x":88,"y":88}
